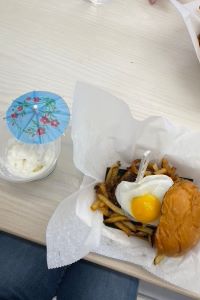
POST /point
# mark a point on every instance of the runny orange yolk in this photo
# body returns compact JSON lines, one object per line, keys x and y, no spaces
{"x":145,"y":208}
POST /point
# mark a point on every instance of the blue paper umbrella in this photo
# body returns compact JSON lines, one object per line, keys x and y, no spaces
{"x":38,"y":117}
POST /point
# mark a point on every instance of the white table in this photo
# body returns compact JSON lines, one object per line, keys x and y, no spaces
{"x":138,"y":52}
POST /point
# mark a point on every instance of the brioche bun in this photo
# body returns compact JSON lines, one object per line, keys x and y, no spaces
{"x":179,"y":227}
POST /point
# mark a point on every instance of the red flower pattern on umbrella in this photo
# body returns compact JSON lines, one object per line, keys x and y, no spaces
{"x":14,"y":116}
{"x":54,"y":123}
{"x":44,"y":120}
{"x":40,"y":131}
{"x":20,"y":108}
{"x":36,"y":99}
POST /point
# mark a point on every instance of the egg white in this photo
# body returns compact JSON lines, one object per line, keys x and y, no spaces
{"x":156,"y":185}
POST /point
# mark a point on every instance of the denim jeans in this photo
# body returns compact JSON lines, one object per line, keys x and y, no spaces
{"x":24,"y":276}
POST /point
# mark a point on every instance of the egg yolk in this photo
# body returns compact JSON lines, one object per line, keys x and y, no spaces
{"x":145,"y":208}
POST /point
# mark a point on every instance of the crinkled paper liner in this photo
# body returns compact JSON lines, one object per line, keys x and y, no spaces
{"x":104,"y":131}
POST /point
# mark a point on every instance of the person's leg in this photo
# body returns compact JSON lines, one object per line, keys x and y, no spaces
{"x":23,"y":271}
{"x":87,"y":281}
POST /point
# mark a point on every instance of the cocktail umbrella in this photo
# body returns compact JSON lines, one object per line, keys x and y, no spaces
{"x":38,"y":117}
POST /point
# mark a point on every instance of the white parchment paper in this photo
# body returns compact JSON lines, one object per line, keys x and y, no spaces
{"x":191,"y":16}
{"x":104,"y":131}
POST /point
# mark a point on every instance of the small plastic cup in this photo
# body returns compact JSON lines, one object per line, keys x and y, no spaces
{"x":11,"y":154}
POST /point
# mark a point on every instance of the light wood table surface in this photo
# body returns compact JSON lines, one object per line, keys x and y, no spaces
{"x":138,"y":52}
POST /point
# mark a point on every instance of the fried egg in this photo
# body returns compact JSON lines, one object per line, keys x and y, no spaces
{"x":143,"y":200}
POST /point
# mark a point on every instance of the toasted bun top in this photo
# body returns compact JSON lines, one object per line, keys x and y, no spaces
{"x":179,"y":227}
